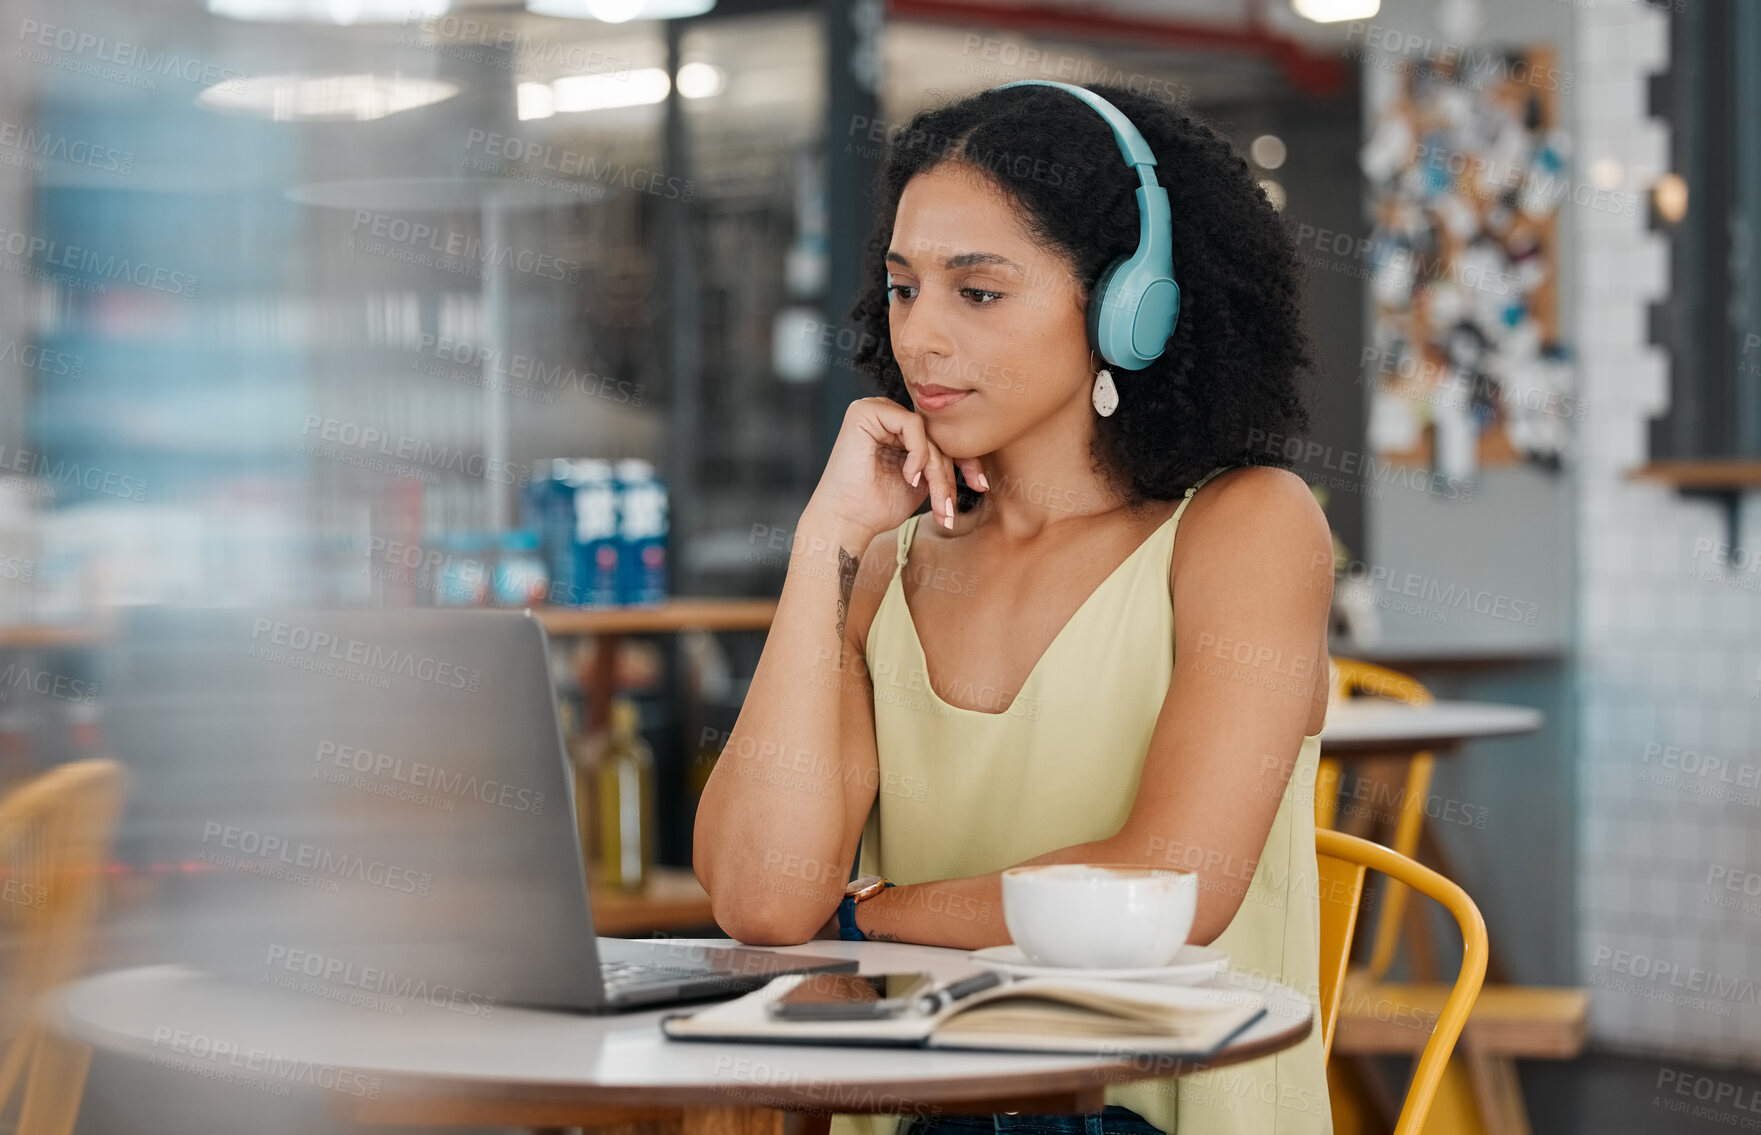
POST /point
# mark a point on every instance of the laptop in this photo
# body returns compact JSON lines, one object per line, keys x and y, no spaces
{"x":371,"y":806}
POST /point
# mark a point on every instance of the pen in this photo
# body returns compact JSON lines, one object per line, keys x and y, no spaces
{"x":940,"y":999}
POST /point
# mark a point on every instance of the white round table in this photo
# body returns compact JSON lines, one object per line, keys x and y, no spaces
{"x":511,"y":1066}
{"x":1378,"y":725}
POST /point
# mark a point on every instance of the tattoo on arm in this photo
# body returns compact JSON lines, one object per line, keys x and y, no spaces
{"x":847,"y":565}
{"x":874,"y":935}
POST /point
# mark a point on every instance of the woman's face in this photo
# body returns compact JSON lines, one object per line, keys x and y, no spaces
{"x":979,"y":308}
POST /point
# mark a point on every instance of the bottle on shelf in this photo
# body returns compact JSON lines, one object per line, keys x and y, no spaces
{"x":584,"y":750}
{"x":626,"y":802}
{"x":702,"y":764}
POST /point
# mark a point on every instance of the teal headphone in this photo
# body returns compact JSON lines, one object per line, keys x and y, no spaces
{"x":1132,"y":310}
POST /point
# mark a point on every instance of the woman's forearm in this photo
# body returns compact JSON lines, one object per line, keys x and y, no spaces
{"x":967,"y":913}
{"x":963,"y":913}
{"x":776,"y":799}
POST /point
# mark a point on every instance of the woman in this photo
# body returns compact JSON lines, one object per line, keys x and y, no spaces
{"x":1042,"y":674}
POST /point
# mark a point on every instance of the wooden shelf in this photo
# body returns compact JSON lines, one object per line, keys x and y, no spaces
{"x":1704,"y":475}
{"x":1723,"y":480}
{"x":673,"y":615}
{"x":672,"y":901}
{"x":32,"y":636}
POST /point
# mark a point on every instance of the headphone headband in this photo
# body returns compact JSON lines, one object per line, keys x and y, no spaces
{"x":1132,"y":146}
{"x":1134,"y":306}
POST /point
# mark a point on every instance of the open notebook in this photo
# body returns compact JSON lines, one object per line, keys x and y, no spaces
{"x":1035,"y":1014}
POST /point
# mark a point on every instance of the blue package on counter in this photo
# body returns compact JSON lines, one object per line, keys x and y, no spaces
{"x":642,"y":526}
{"x":549,"y":509}
{"x":598,"y":545}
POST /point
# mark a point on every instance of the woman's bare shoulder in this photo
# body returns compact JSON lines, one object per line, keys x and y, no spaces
{"x":1254,"y":516}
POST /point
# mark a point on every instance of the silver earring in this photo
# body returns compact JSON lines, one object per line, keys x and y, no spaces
{"x":1106,"y":395}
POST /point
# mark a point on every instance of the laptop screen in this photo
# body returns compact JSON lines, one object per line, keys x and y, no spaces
{"x":356,"y":804}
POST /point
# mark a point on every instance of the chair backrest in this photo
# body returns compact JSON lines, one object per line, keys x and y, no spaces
{"x":1343,"y":860}
{"x":55,"y":836}
{"x":1349,"y":677}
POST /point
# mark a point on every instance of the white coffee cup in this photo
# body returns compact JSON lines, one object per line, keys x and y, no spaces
{"x":1099,"y":915}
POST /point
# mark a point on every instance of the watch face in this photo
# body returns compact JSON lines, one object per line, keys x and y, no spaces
{"x":865,"y":886}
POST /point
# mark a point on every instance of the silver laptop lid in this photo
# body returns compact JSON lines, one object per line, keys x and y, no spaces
{"x":357,"y":804}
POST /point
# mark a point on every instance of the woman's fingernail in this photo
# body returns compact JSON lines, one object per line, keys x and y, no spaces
{"x":948,"y":521}
{"x":948,"y":504}
{"x":916,"y":477}
{"x":984,"y":482}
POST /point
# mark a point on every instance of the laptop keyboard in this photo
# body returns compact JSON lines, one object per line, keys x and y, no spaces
{"x":630,"y":973}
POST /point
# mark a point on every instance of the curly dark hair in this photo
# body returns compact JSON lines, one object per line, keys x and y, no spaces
{"x":1239,"y":359}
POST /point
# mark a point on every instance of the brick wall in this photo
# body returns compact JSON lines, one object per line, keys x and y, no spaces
{"x":1669,"y":700}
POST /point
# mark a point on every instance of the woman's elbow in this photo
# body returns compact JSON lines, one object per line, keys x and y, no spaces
{"x":1214,"y":916}
{"x":756,"y":922}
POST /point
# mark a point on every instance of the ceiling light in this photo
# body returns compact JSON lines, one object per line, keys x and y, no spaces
{"x":1334,"y":11}
{"x":534,"y":100}
{"x":1268,"y":151}
{"x":637,"y":87}
{"x":641,"y":87}
{"x":346,"y":98}
{"x":614,"y":11}
{"x":700,"y":80}
{"x":1671,"y":197}
{"x":329,"y":11}
{"x":619,"y":11}
{"x":1606,"y":173}
{"x":1274,"y":193}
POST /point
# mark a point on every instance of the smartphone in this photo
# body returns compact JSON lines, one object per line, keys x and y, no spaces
{"x":851,"y":996}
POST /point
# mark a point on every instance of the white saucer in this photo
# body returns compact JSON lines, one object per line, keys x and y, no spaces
{"x":1190,"y":966}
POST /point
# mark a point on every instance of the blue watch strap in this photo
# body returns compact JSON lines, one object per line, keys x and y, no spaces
{"x":847,"y":919}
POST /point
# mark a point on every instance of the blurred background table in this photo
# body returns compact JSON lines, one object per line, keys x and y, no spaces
{"x":1376,"y":726}
{"x":671,"y":903}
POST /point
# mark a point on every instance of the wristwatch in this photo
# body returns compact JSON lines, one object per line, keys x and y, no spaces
{"x":859,"y":890}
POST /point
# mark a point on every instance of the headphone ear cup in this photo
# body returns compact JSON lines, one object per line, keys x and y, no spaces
{"x":1098,"y":332}
{"x":1158,"y":309}
{"x":1134,"y":330}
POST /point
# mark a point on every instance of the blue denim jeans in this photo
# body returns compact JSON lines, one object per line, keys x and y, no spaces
{"x":1113,"y":1120}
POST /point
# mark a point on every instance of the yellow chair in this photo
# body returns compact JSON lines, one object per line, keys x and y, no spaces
{"x":1353,"y":677}
{"x":1343,"y":860}
{"x":55,"y":836}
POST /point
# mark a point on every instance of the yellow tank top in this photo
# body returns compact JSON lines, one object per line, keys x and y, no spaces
{"x":974,"y":792}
